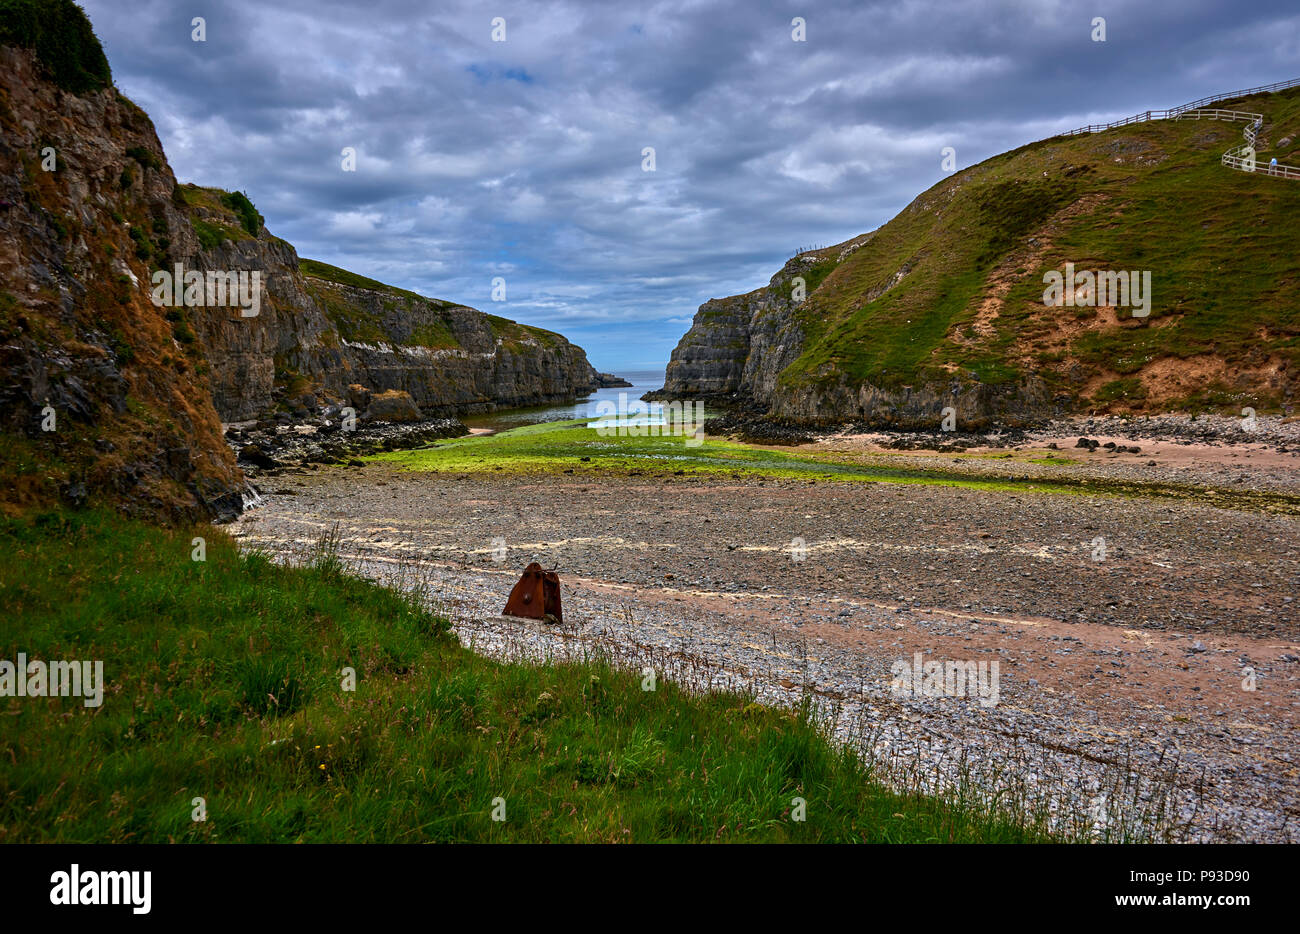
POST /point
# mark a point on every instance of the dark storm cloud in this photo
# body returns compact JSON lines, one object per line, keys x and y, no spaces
{"x":522,"y":158}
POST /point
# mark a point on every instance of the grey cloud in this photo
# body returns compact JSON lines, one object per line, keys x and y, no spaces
{"x":525,"y":156}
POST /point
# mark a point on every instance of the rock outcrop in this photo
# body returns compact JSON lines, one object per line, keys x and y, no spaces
{"x":103,"y":395}
{"x":116,"y":375}
{"x":393,"y":405}
{"x":737,"y":346}
{"x":610,"y":381}
{"x":323,"y":330}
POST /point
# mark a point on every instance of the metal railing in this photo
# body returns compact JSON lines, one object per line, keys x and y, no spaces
{"x":1223,"y":115}
{"x":1175,"y":111}
{"x":1243,"y":157}
{"x":1248,"y":164}
{"x":1239,"y":157}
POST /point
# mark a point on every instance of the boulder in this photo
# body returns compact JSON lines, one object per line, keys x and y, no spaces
{"x":395,"y":405}
{"x":358,"y":397}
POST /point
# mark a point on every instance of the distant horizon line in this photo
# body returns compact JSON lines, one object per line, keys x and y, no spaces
{"x":636,"y":368}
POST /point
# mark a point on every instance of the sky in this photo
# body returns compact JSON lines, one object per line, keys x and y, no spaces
{"x":516,"y":150}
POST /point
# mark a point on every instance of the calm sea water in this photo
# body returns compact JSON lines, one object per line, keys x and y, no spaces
{"x":642,"y":382}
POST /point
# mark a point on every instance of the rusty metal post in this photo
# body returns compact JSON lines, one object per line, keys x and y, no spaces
{"x":536,"y":596}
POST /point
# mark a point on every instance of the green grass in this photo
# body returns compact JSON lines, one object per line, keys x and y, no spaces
{"x":318,"y":270}
{"x":223,"y":682}
{"x":572,"y":448}
{"x":562,"y":446}
{"x":211,"y":235}
{"x":433,"y":334}
{"x":353,"y":322}
{"x":218,"y":215}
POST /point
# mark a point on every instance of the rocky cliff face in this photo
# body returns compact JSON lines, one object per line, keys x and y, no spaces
{"x":738,"y":346}
{"x":326,"y":336}
{"x":243,"y":352}
{"x":112,"y":392}
{"x":450,"y":359}
{"x":103,"y":395}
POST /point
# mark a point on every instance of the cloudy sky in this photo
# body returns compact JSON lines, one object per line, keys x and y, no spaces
{"x":523,"y":159}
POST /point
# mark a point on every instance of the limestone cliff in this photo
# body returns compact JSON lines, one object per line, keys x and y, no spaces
{"x":103,"y":395}
{"x":324,"y":334}
{"x":738,"y":346}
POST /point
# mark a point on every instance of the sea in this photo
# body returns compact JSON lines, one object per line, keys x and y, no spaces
{"x":625,"y":399}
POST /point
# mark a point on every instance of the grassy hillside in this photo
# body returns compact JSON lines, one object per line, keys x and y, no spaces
{"x":355,"y":323}
{"x":224,"y":682}
{"x":317,"y":270}
{"x":1224,"y":327}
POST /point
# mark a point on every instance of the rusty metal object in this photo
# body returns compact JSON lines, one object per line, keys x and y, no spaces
{"x":536,"y":596}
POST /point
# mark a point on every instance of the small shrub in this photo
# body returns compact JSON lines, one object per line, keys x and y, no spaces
{"x":145,"y":157}
{"x":238,"y":202}
{"x":62,"y":38}
{"x":144,"y":247}
{"x":123,"y":352}
{"x":210,"y":236}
